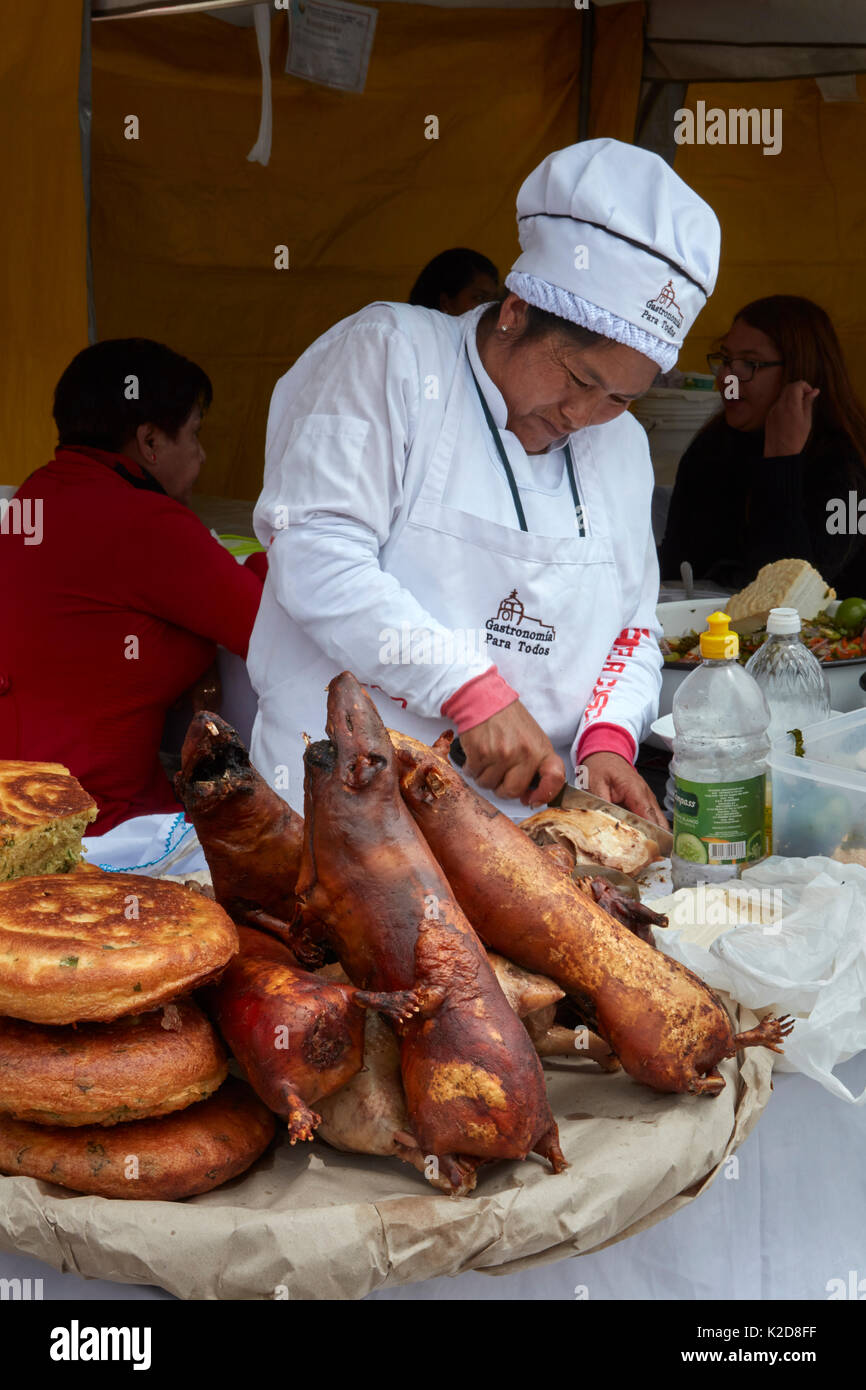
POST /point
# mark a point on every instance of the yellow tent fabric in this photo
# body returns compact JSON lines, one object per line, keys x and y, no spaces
{"x":792,"y":223}
{"x":43,"y":307}
{"x":184,"y":228}
{"x":617,"y":60}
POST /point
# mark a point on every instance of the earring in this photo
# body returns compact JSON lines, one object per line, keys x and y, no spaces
{"x":153,"y":458}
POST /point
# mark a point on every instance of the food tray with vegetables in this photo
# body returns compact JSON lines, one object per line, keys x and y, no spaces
{"x":836,"y":635}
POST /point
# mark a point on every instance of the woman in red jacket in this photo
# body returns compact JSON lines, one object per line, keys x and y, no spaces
{"x":115,"y":594}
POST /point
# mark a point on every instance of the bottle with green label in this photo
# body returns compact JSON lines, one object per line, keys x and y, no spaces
{"x":719,"y":764}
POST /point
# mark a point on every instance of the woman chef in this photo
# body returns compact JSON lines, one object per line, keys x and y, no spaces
{"x":458,"y":509}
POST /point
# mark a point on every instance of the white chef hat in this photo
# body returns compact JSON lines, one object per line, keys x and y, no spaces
{"x":614,"y":240}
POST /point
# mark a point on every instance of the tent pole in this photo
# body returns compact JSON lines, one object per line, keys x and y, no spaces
{"x":85,"y":124}
{"x":587,"y":36}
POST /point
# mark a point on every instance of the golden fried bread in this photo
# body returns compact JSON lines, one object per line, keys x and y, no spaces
{"x":44,"y":812}
{"x":179,"y":1155}
{"x":94,"y":947}
{"x":101,"y":1073}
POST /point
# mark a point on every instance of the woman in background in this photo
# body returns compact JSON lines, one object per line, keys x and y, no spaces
{"x":122,"y":595}
{"x":759,"y":481}
{"x":455,"y":281}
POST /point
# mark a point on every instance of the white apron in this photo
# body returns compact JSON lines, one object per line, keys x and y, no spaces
{"x":551,"y":608}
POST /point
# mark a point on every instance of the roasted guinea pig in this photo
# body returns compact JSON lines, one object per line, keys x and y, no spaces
{"x":635,"y":915}
{"x":473,"y":1081}
{"x":665,"y":1025}
{"x":251,"y":838}
{"x":296,"y":1036}
{"x":368,"y":1115}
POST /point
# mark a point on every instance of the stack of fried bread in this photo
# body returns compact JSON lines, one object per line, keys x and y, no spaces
{"x":112,"y":1080}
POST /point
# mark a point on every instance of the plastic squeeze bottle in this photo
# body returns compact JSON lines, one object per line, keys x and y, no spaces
{"x":720,"y":746}
{"x":792,"y":679}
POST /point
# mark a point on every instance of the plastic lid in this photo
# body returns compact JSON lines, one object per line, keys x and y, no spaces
{"x":719,"y":643}
{"x":783,"y":620}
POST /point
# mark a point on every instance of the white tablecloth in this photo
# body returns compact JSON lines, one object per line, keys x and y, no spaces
{"x":791,"y":1220}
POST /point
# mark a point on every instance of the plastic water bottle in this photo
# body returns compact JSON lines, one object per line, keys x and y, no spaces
{"x":719,"y":764}
{"x":792,"y":679}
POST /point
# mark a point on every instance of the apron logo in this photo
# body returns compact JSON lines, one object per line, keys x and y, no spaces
{"x":509,"y":622}
{"x":666,"y":313}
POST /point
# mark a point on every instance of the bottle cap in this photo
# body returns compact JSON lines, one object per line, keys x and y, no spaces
{"x":719,"y":643}
{"x":783,"y":620}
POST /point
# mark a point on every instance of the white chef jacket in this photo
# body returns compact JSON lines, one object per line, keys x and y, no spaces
{"x":351,"y":428}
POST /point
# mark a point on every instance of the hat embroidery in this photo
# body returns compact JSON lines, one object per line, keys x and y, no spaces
{"x":666,"y":306}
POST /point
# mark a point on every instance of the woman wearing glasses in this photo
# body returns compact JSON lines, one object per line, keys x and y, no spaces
{"x":758,"y":482}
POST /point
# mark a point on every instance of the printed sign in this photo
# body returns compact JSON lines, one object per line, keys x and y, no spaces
{"x":330,"y":42}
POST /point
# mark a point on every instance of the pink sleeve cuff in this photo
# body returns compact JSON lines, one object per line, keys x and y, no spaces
{"x":606,"y":738}
{"x":478,"y":699}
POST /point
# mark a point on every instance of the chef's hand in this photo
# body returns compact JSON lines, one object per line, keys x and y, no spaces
{"x":614,"y":778}
{"x":789,"y":420}
{"x":505,"y":752}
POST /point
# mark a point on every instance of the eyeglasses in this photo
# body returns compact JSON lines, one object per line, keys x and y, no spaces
{"x":743,"y":368}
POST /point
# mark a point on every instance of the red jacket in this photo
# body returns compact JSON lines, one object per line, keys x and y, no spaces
{"x":105,"y":621}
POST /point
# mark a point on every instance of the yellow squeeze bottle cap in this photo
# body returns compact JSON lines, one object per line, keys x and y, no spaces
{"x":719,"y":643}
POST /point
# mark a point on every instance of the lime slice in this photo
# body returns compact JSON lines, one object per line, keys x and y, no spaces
{"x":690,"y":848}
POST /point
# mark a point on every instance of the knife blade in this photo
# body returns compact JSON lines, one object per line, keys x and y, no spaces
{"x":573,"y":799}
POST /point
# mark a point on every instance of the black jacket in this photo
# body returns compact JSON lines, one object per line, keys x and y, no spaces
{"x":733,"y":511}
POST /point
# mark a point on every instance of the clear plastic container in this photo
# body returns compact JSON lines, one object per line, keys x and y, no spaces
{"x":719,"y":765}
{"x":819,"y":800}
{"x":791,"y":678}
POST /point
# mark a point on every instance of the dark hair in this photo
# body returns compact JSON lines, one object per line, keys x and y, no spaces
{"x":539,"y":323}
{"x":91,"y":404}
{"x":449,"y":273}
{"x":807,"y":343}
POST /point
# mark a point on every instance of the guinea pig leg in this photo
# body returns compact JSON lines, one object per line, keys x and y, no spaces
{"x":264,"y":921}
{"x":557,"y":1041}
{"x":709,"y":1085}
{"x":302,"y":1120}
{"x":548,"y":1147}
{"x":769,"y":1033}
{"x":306,"y":951}
{"x":399,"y":1004}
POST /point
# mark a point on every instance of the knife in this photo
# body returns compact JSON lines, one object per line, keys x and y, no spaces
{"x":574,"y":799}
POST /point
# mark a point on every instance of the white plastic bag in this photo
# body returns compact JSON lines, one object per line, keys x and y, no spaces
{"x":809,"y":961}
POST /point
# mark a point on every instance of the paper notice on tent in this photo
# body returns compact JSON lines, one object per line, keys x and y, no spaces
{"x":330,"y":41}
